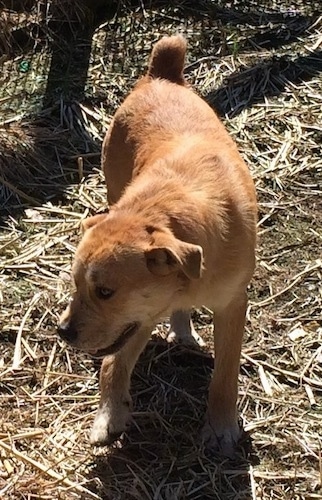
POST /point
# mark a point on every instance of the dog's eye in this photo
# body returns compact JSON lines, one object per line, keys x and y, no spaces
{"x":104,"y":293}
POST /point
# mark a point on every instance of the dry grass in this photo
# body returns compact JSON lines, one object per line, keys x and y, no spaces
{"x":263,"y":70}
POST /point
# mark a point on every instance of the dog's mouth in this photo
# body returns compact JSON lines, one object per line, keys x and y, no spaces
{"x":121,"y":340}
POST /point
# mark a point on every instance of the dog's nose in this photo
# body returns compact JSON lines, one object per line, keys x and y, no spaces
{"x":67,"y":332}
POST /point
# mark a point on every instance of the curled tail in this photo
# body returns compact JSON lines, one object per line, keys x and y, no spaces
{"x":167,"y":59}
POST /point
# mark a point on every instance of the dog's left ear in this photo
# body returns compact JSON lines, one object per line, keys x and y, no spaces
{"x":92,"y":221}
{"x":164,"y":260}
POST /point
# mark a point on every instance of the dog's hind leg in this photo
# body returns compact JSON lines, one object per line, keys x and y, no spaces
{"x":182,"y":330}
{"x":114,"y":410}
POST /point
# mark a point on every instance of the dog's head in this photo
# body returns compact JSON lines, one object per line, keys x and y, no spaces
{"x":127,"y":276}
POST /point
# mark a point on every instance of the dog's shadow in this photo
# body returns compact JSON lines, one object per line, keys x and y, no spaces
{"x":161,"y":456}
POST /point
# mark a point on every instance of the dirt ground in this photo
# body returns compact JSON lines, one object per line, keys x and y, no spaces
{"x":64,"y":70}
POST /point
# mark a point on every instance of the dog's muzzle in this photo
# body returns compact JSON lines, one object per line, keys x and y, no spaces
{"x":121,"y":340}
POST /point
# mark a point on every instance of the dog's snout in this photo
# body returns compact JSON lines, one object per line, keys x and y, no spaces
{"x":67,"y":332}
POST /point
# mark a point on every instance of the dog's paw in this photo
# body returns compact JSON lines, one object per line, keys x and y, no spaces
{"x":182,"y":330}
{"x":109,"y":424}
{"x":223,"y":439}
{"x":189,"y":339}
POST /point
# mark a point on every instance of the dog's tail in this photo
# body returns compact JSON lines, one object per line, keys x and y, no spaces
{"x":167,"y":59}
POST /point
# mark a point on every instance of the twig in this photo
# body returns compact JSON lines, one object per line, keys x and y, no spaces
{"x":24,"y":435}
{"x":17,"y":352}
{"x":297,"y":376}
{"x":308,"y":364}
{"x":252,"y":482}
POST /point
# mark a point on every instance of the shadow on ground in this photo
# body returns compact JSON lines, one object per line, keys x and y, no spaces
{"x":268,"y":78}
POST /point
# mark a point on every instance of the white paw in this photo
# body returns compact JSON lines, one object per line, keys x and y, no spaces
{"x":109,"y":424}
{"x":182,"y":330}
{"x":191,"y":339}
{"x":222,"y":439}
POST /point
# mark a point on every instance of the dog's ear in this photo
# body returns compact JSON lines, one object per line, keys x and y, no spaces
{"x":164,"y":260}
{"x":91,"y":221}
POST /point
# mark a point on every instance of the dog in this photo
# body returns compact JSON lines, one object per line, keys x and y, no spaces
{"x":180,"y":233}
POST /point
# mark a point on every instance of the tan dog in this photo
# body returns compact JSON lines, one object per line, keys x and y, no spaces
{"x":180,"y":233}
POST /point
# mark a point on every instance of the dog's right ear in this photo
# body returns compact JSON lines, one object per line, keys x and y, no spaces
{"x":91,"y":221}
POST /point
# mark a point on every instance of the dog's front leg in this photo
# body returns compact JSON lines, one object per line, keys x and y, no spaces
{"x":113,"y":414}
{"x":221,"y":431}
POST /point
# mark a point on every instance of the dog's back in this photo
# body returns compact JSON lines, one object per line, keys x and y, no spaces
{"x":162,"y":118}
